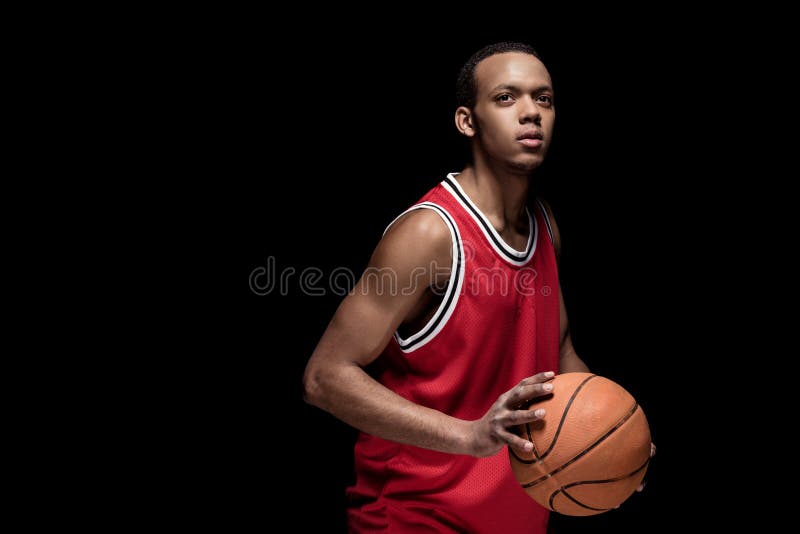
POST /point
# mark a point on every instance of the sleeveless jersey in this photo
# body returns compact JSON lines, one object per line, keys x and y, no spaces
{"x":497,"y":323}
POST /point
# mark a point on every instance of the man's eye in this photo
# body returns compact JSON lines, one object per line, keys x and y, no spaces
{"x":504,"y":98}
{"x":545,"y":99}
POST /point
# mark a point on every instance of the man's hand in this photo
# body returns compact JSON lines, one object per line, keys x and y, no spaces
{"x":491,"y":433}
{"x":652,"y":453}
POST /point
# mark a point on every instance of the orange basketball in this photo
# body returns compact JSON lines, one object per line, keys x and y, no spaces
{"x":591,"y":450}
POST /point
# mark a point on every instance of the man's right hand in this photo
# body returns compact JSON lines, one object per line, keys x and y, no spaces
{"x":491,"y":432}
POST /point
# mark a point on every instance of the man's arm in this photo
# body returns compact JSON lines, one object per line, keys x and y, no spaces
{"x":568,"y":360}
{"x":412,"y":251}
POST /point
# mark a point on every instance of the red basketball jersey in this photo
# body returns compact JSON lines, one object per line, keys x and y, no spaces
{"x":497,"y":323}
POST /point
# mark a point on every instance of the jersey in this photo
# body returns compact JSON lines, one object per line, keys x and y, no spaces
{"x":497,"y":323}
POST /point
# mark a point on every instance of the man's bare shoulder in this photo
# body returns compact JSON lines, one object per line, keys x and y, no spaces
{"x":420,"y":224}
{"x":415,"y":238}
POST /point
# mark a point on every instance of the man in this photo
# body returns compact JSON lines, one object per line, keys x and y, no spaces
{"x":469,"y":325}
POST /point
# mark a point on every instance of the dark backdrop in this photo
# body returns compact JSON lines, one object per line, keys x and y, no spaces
{"x":313,"y":152}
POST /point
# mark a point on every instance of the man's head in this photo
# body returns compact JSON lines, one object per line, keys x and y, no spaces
{"x":466,"y":85}
{"x":505,"y":98}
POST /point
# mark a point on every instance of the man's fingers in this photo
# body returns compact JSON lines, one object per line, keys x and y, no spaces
{"x":652,"y":453}
{"x":520,"y":417}
{"x":500,"y":422}
{"x":538,"y":378}
{"x":514,"y":440}
{"x":523,"y":392}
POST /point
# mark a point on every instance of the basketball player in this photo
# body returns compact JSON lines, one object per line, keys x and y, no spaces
{"x":470,"y":326}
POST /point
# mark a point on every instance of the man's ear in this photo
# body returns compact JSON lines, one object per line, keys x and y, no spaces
{"x":464,"y":121}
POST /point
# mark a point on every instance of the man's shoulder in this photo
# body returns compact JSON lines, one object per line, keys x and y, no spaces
{"x":418,"y":239}
{"x":419,"y":225}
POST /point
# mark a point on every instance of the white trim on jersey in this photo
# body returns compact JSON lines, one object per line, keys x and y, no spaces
{"x":510,"y":254}
{"x":546,"y":217}
{"x":448,"y":304}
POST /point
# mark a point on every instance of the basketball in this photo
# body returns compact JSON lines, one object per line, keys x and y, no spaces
{"x":591,"y":450}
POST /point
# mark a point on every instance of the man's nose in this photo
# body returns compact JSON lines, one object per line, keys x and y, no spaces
{"x":530,"y":111}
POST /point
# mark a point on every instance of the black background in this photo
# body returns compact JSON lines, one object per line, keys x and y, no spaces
{"x":305,"y":150}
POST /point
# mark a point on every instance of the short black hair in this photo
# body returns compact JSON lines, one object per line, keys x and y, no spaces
{"x":466,"y":89}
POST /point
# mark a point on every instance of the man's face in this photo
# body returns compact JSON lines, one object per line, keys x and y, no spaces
{"x":514,"y":109}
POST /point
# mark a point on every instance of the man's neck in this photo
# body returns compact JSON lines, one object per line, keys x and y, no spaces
{"x":501,"y":196}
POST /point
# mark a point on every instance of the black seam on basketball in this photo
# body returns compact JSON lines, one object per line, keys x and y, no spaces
{"x":514,"y":454}
{"x":535,"y":451}
{"x":576,"y":501}
{"x":586,"y":450}
{"x":608,"y":480}
{"x":551,"y":503}
{"x":537,"y":456}
{"x":564,"y":489}
{"x":530,"y":437}
{"x":564,"y":415}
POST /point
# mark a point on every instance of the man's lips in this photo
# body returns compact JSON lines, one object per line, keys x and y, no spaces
{"x":531,"y":143}
{"x":530,"y":134}
{"x":531,"y":138}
